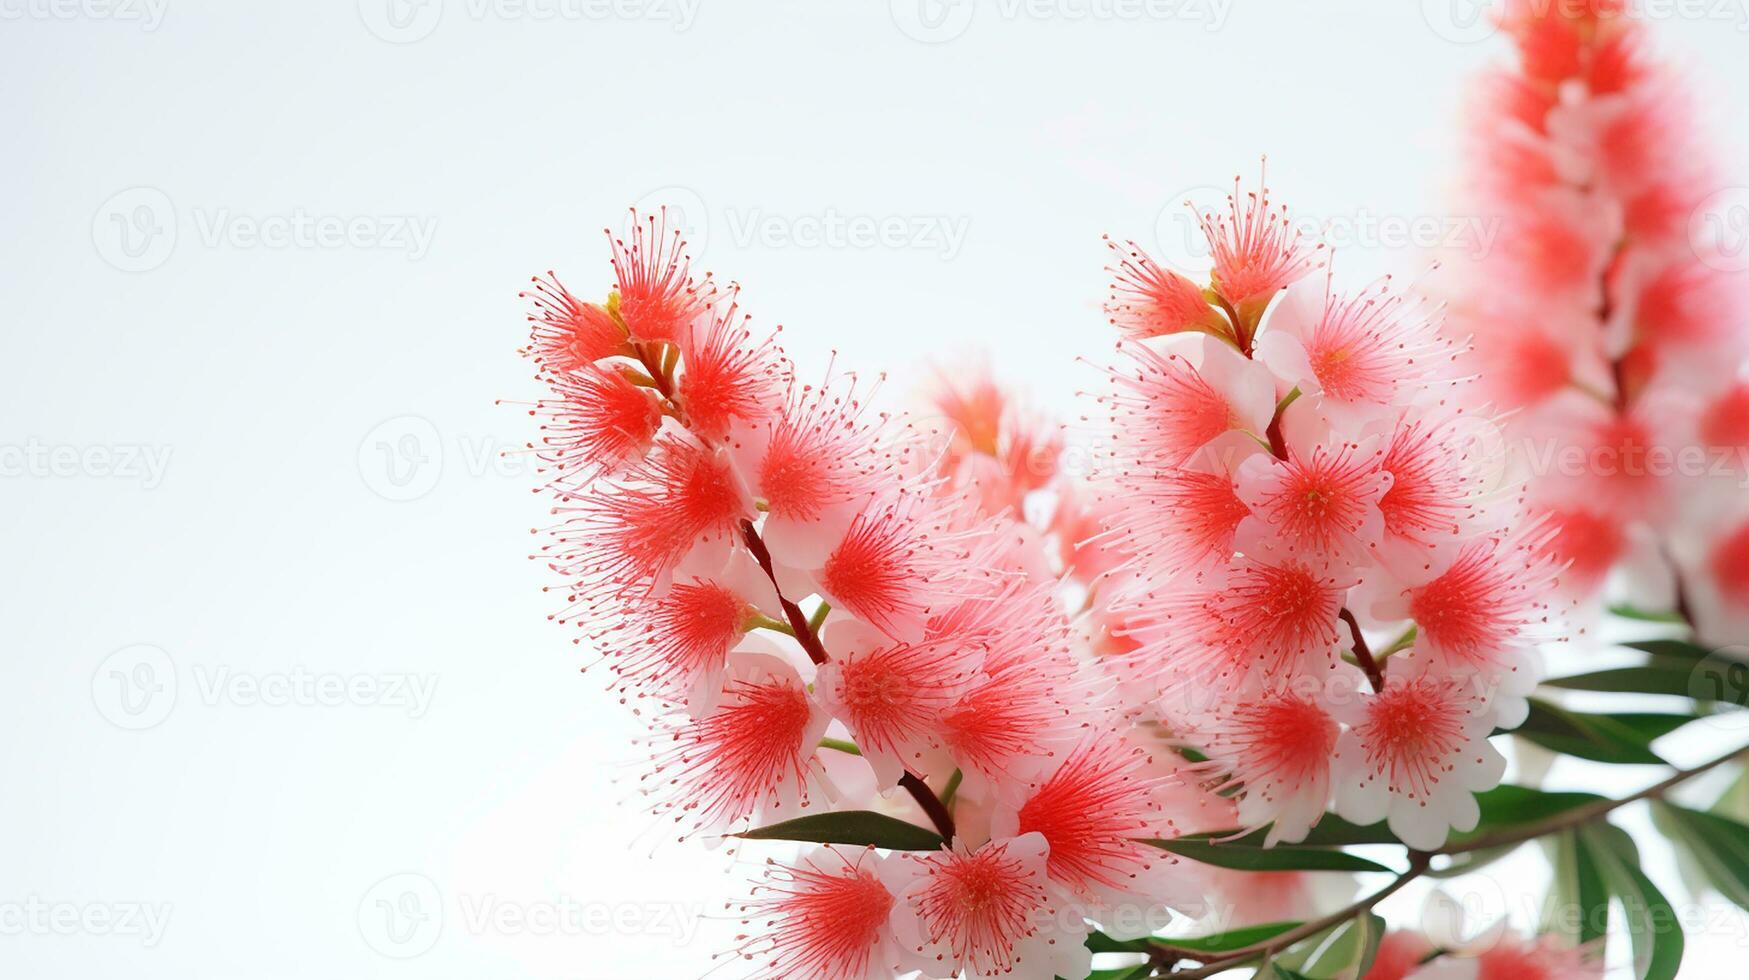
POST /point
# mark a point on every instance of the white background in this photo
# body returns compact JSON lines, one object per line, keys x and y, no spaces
{"x":292,"y":390}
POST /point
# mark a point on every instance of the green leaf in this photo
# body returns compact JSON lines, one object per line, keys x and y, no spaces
{"x":1712,"y":679}
{"x":1720,"y":847}
{"x":1226,"y":942}
{"x":1590,"y":893}
{"x":1241,"y":858}
{"x":1672,"y":649}
{"x":1733,"y":803}
{"x":851,"y":827}
{"x":1121,"y":973}
{"x":1375,"y":934}
{"x":1331,"y":831}
{"x":1350,"y":951}
{"x":1644,"y":615}
{"x":1600,"y":738}
{"x":1099,"y":942}
{"x":1653,"y":928}
{"x":1275,"y":971}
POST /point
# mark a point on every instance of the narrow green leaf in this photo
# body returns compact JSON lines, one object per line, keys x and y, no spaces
{"x":1099,"y":942}
{"x":1267,"y":858}
{"x":1644,"y":615}
{"x":1711,"y":679}
{"x":1600,"y":738}
{"x":1507,"y":805}
{"x":851,"y":827}
{"x":1590,"y":893}
{"x":1719,"y":846}
{"x":1654,"y":931}
{"x":1339,"y":956}
{"x":1121,"y":973}
{"x":1671,"y":649}
{"x":1331,"y":831}
{"x":1225,"y":942}
{"x":1375,"y":934}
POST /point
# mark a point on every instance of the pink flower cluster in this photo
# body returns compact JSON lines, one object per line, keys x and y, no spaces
{"x":1308,"y":575}
{"x":822,"y":607}
{"x":1608,"y":317}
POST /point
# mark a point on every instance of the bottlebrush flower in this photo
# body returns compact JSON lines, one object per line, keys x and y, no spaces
{"x":815,"y":464}
{"x":1516,"y":959}
{"x":990,"y":913}
{"x":1257,"y":251}
{"x":1400,"y":954}
{"x":995,"y":447}
{"x":1485,"y":608}
{"x":1093,"y":809}
{"x":1415,"y":753}
{"x":1600,"y":305}
{"x":751,"y":758}
{"x":1361,"y":354}
{"x":901,"y":561}
{"x":1273,"y":744}
{"x":823,"y":918}
{"x":1322,"y":505}
{"x":1443,"y":468}
{"x":599,"y":421}
{"x":630,"y":537}
{"x":675,"y":644}
{"x":1184,"y":396}
{"x":1148,"y":301}
{"x":891,"y":696}
{"x":568,"y":334}
{"x":1178,"y":519}
{"x":658,"y":299}
{"x":728,"y":379}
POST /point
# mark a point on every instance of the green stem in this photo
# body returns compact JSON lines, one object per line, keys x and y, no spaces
{"x":760,"y":621}
{"x":840,"y":745}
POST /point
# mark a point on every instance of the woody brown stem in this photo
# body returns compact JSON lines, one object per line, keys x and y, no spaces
{"x":1363,"y":653}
